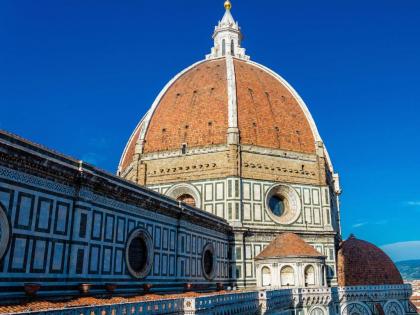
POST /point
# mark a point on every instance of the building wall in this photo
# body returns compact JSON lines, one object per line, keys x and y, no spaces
{"x":69,"y":224}
{"x":242,"y":202}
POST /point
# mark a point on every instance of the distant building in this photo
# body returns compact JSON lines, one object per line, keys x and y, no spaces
{"x":415,"y":298}
{"x":225,"y":182}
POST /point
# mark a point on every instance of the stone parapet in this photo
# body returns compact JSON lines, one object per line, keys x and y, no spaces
{"x":325,"y":301}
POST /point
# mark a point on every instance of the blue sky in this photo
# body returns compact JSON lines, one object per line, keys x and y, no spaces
{"x":76,"y":76}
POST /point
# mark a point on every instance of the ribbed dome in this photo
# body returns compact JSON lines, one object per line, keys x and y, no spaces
{"x":362,"y":263}
{"x":201,"y":103}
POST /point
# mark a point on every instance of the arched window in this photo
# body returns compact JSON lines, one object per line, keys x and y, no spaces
{"x":393,"y":308}
{"x":309,"y":276}
{"x":187,"y":199}
{"x":287,"y":276}
{"x":232,"y":48}
{"x":186,"y":194}
{"x":317,"y":311}
{"x":323,"y":275}
{"x":223,"y":47}
{"x":355,"y":309}
{"x":266,"y":276}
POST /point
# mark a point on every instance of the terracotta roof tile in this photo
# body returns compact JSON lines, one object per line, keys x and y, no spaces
{"x":194,"y":110}
{"x":268,"y":114}
{"x":288,"y":245}
{"x":32,"y":305}
{"x":362,"y":263}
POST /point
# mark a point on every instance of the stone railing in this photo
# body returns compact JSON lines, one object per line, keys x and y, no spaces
{"x":157,"y":307}
{"x":373,"y":293}
{"x":282,"y":300}
{"x":232,"y":303}
{"x":247,"y":302}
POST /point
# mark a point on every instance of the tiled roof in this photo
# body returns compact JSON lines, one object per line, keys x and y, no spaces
{"x":362,"y":263}
{"x":194,"y":111}
{"x":288,"y":245}
{"x":268,"y":114}
{"x":33,"y":305}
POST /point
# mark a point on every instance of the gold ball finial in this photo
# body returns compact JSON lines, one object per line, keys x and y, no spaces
{"x":228,"y":5}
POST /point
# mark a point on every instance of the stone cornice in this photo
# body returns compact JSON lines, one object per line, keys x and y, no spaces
{"x":29,"y":158}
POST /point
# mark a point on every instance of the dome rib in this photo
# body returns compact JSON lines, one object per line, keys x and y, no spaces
{"x":295,"y":94}
{"x":231,"y":116}
{"x":192,"y":112}
{"x":269,"y":114}
{"x":141,"y":129}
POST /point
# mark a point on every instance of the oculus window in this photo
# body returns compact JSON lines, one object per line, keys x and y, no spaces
{"x":283,"y":204}
{"x":139,"y":253}
{"x":208,"y":262}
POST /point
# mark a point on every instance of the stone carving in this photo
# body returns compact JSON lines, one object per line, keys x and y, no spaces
{"x":355,"y":309}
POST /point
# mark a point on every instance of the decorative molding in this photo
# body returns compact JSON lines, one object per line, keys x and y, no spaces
{"x":36,"y":181}
{"x":177,"y":153}
{"x":293,"y":206}
{"x":286,"y":155}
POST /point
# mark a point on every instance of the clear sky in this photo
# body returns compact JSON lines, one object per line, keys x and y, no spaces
{"x":77,"y":76}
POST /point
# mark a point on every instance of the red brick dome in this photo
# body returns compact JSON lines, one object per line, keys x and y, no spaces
{"x":362,"y":263}
{"x":193,"y":109}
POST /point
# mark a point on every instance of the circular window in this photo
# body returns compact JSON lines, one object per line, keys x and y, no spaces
{"x":208,"y":262}
{"x":283,"y":204}
{"x":185,"y":193}
{"x":4,"y":232}
{"x":187,"y":199}
{"x":276,"y":204}
{"x":139,"y":253}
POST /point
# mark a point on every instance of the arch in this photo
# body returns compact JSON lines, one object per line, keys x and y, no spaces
{"x":287,"y":276}
{"x":184,"y":191}
{"x":317,"y":311}
{"x":355,"y":308}
{"x":309,"y":275}
{"x":187,"y":199}
{"x":266,"y":276}
{"x":393,"y":307}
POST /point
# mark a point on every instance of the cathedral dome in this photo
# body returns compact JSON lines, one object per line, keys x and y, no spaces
{"x":200,"y":105}
{"x":362,"y":263}
{"x":225,"y":99}
{"x":227,"y":116}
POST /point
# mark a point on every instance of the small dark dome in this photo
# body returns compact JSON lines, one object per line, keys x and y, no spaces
{"x":362,"y":263}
